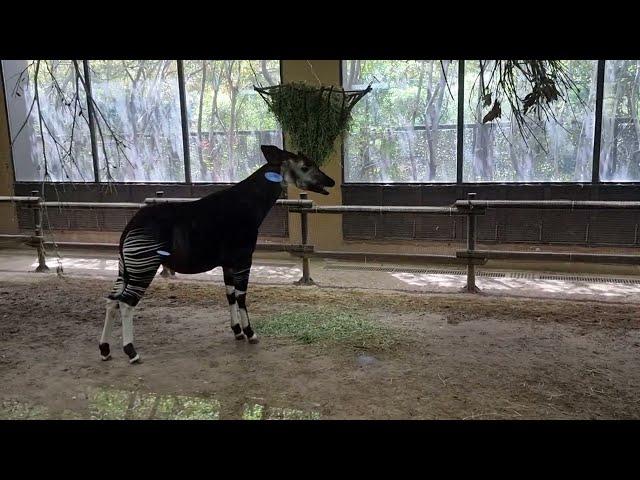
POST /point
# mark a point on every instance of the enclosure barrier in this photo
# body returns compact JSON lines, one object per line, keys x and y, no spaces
{"x":470,"y":208}
{"x":554,"y":204}
{"x":469,"y":257}
{"x":37,"y":238}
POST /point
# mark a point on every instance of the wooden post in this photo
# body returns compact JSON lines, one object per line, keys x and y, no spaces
{"x":37,"y":221}
{"x":304,"y":226}
{"x":471,"y":246}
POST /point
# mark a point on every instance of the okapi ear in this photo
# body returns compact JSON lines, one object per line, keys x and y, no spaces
{"x":273,"y":154}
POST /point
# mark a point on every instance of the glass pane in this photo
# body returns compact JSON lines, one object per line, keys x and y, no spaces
{"x":228,"y":120}
{"x":404,"y":130}
{"x":141,"y":102}
{"x":620,"y":146}
{"x":559,"y":150}
{"x":67,"y":143}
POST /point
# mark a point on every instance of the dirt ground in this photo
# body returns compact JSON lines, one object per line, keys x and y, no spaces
{"x":458,"y":356}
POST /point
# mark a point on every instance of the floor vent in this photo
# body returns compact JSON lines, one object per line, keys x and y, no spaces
{"x":487,"y":274}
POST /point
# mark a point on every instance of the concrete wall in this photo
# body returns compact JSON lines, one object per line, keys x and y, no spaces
{"x":325,"y":231}
{"x":8,"y":221}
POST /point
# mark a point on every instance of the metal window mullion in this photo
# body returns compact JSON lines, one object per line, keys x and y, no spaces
{"x":460,"y":124}
{"x":184,"y":119}
{"x":597,"y":134}
{"x":91,"y":121}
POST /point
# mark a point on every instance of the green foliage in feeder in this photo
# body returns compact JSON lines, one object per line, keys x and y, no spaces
{"x":314,"y":117}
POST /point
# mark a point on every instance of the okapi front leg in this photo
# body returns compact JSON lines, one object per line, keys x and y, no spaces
{"x":233,"y":305}
{"x":241,"y":281}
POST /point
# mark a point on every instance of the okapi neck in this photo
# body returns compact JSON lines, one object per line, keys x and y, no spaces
{"x":259,"y":191}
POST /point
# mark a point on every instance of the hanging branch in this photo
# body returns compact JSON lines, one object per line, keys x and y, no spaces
{"x":119,"y":142}
{"x":544,"y":82}
{"x":73,"y":107}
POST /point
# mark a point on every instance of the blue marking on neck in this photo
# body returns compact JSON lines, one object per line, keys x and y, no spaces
{"x":163,"y":253}
{"x":273,"y":177}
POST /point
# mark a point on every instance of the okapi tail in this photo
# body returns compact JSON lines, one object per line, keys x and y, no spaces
{"x":121,"y":281}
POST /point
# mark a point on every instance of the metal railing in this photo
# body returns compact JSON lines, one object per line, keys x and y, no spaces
{"x":469,"y":208}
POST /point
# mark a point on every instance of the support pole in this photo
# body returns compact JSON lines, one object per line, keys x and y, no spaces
{"x":471,"y":246}
{"x":166,"y":271}
{"x":304,"y":226}
{"x":37,"y":221}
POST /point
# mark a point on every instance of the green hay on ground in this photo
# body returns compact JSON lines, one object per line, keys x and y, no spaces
{"x":329,"y":328}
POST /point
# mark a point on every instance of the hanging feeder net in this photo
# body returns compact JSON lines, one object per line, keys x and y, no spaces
{"x":314,"y":117}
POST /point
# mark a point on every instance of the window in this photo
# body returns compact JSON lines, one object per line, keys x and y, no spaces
{"x":140,"y":100}
{"x":620,"y":145}
{"x":138,"y":119}
{"x":558,"y":150}
{"x":404,"y":130}
{"x":67,"y":144}
{"x":228,"y":120}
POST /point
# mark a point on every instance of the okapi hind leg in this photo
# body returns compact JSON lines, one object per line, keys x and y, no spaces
{"x":233,"y":305}
{"x":141,"y":261}
{"x":112,"y":308}
{"x":110,"y":318}
{"x":127,"y":332}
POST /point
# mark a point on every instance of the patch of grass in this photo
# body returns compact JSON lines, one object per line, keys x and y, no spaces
{"x":14,"y":410}
{"x":329,"y":328}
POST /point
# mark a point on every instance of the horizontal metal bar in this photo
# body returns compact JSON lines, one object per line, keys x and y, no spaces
{"x":92,"y":204}
{"x":557,"y":204}
{"x":274,"y":247}
{"x":82,"y":244}
{"x":14,"y":199}
{"x":386,"y":257}
{"x":338,"y":209}
{"x":561,"y":257}
{"x":283,"y":202}
{"x":20,"y":237}
{"x":295,"y":203}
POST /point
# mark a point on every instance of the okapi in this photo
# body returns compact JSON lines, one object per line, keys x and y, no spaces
{"x":218,"y":230}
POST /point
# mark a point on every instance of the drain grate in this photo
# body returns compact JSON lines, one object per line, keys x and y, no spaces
{"x":487,"y":274}
{"x":394,"y":269}
{"x":590,"y":279}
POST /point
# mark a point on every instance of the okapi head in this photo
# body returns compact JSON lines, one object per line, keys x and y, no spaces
{"x":298,"y":169}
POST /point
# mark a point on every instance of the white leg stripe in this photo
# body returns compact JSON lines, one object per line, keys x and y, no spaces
{"x":127,"y":323}
{"x":244,"y":318}
{"x":109,"y":320}
{"x":235,"y":314}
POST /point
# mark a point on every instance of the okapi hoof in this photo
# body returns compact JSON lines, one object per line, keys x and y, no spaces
{"x":251,"y":336}
{"x":105,"y":351}
{"x":131,"y":353}
{"x":237,"y":331}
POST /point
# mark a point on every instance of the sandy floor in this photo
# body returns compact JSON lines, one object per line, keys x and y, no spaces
{"x":286,"y":270}
{"x":460,"y":357}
